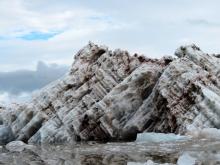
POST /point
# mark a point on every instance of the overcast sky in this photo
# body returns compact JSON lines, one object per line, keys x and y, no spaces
{"x":53,"y":31}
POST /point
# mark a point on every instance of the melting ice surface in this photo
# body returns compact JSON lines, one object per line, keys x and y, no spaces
{"x":169,"y":149}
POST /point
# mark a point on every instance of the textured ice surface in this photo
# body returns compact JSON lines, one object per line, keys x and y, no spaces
{"x":112,"y":95}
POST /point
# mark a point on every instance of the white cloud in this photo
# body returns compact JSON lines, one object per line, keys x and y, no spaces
{"x":76,"y":25}
{"x":18,"y":19}
{"x":155,"y":28}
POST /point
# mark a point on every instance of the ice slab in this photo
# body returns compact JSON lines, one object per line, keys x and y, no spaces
{"x":159,"y":137}
{"x":186,"y":159}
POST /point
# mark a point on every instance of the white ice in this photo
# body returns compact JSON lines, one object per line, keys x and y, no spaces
{"x":159,"y":137}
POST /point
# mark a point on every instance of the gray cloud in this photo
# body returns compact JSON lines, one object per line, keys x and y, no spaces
{"x":21,"y":81}
{"x":203,"y":22}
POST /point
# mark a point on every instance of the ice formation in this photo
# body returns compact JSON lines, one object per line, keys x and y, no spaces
{"x":112,"y":96}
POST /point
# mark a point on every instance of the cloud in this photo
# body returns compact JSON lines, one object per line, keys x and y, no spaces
{"x":203,"y":22}
{"x":26,"y":81}
{"x":53,"y":31}
{"x":48,"y":31}
{"x":21,"y":18}
{"x":7,"y":98}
